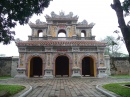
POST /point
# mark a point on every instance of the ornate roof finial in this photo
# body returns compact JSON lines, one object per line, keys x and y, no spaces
{"x":53,"y":14}
{"x":62,"y":14}
{"x":84,"y":22}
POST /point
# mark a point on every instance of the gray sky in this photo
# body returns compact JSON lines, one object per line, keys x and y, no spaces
{"x":96,"y":11}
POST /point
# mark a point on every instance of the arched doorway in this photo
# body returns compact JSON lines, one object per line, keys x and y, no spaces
{"x":88,"y":68}
{"x":62,"y":66}
{"x":36,"y":67}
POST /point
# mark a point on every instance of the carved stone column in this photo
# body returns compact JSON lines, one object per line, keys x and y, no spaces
{"x":21,"y":72}
{"x":98,"y":61}
{"x":75,"y":69}
{"x":21,"y":67}
{"x":101,"y":68}
{"x":48,"y":69}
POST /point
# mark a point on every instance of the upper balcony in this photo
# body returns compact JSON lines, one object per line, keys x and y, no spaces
{"x":49,"y":37}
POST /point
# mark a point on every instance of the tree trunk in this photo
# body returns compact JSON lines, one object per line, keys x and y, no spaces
{"x":124,"y":28}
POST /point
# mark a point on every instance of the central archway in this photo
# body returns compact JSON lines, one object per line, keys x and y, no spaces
{"x":88,"y":66}
{"x":36,"y":67}
{"x":62,"y":66}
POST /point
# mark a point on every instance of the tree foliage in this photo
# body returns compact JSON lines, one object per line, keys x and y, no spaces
{"x":126,"y":6}
{"x":12,"y":11}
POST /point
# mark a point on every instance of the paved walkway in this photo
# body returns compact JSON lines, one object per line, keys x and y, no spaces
{"x":63,"y":87}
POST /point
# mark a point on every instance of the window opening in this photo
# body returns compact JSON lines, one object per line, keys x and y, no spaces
{"x":83,"y":33}
{"x":40,"y":33}
{"x":62,"y":34}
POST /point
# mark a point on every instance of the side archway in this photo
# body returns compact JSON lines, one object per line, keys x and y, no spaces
{"x":88,"y":66}
{"x":34,"y":66}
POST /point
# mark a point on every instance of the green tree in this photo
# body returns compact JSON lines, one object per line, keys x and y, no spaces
{"x":12,"y":11}
{"x":125,"y":28}
{"x":113,"y":46}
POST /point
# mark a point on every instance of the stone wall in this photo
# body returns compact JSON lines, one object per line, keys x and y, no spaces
{"x":8,"y":66}
{"x":5,"y":66}
{"x":120,"y":66}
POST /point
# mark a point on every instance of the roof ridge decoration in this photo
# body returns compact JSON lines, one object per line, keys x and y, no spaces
{"x":84,"y":22}
{"x":61,"y":15}
{"x":38,"y":23}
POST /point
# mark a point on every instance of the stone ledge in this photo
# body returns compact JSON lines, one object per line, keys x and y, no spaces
{"x":25,"y":92}
{"x":106,"y":92}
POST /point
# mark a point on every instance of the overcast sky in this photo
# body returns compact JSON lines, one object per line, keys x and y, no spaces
{"x":96,"y":11}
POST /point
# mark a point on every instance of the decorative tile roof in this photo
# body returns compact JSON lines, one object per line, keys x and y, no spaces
{"x":60,"y":43}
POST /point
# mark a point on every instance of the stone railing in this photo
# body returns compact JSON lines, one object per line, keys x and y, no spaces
{"x":61,"y":38}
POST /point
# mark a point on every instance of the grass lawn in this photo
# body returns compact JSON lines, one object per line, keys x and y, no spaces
{"x":118,"y":88}
{"x":12,"y":89}
{"x":5,"y":77}
{"x":120,"y":76}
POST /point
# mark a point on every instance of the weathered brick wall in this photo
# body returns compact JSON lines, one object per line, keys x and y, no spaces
{"x":120,"y":66}
{"x":5,"y":66}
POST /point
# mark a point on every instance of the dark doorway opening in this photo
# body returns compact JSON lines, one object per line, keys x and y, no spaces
{"x":87,"y":66}
{"x":62,"y":66}
{"x":36,"y":67}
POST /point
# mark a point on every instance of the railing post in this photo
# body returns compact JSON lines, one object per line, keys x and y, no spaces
{"x":74,"y":37}
{"x":49,"y":37}
{"x":29,"y":37}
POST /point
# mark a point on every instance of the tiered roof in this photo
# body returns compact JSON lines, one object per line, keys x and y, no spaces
{"x":61,"y":43}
